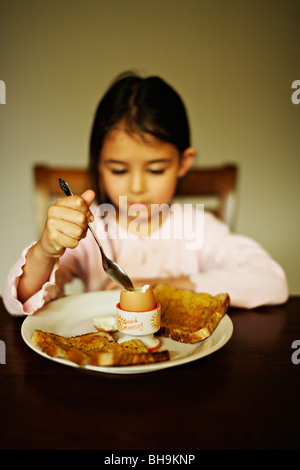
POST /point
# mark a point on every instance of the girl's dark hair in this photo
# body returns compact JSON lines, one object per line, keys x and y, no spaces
{"x":145,"y":104}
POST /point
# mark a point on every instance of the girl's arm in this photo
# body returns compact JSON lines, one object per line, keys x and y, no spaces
{"x":240,"y":266}
{"x":36,"y":272}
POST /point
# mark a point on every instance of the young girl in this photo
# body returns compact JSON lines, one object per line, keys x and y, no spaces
{"x":139,"y":148}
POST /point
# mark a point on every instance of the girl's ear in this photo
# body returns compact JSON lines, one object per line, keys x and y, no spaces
{"x":186,"y":161}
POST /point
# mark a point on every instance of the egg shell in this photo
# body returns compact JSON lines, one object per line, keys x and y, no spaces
{"x":141,"y":299}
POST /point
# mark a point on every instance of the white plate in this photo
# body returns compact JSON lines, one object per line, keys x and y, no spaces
{"x":73,"y":315}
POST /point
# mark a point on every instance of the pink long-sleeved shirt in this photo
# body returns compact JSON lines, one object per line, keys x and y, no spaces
{"x":199,"y":246}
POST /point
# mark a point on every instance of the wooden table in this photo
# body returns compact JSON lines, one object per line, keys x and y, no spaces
{"x":243,"y":396}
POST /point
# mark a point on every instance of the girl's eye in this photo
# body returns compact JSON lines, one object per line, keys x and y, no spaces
{"x":156,"y":172}
{"x":119,"y":172}
{"x":122,"y":171}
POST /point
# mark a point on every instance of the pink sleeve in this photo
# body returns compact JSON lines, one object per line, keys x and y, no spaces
{"x":52,"y":289}
{"x":241,"y":267}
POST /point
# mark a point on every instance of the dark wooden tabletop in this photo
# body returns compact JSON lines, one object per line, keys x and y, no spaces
{"x":243,"y":396}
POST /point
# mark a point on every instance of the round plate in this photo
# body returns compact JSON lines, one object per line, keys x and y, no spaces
{"x":73,"y":315}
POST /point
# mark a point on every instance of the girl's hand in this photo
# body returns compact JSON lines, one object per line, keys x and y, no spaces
{"x":66,"y":224}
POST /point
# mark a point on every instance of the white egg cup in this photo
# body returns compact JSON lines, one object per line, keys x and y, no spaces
{"x":139,"y":325}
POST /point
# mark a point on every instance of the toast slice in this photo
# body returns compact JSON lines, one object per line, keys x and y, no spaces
{"x":187,"y":316}
{"x":58,"y":346}
{"x":100,"y":349}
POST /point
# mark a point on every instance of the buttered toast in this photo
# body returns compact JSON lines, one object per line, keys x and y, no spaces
{"x":187,"y":316}
{"x":98,"y":349}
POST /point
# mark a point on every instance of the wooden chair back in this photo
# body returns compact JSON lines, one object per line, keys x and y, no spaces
{"x":218,"y":183}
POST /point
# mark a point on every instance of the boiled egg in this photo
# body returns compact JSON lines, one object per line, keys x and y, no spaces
{"x":141,"y":299}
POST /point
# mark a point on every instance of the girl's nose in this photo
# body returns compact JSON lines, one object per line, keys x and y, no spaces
{"x":137,"y":183}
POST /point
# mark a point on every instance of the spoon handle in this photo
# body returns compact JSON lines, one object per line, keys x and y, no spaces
{"x":65,"y":187}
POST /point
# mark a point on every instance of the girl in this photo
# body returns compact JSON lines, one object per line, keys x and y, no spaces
{"x":139,"y":148}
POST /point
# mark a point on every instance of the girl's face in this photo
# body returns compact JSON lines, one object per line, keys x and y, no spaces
{"x":140,"y":167}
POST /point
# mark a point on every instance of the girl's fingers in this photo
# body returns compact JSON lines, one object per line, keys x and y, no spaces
{"x":59,"y":235}
{"x":64,"y":229}
{"x":88,"y":196}
{"x":60,"y":241}
{"x":67,"y":214}
{"x":77,"y":203}
{"x":68,"y":229}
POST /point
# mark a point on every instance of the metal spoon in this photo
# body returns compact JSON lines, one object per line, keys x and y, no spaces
{"x":112,"y":269}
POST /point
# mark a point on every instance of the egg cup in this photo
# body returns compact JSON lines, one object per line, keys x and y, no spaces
{"x":139,"y":325}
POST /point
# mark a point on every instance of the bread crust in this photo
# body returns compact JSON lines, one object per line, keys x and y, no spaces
{"x":126,"y":358}
{"x":189,"y":317}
